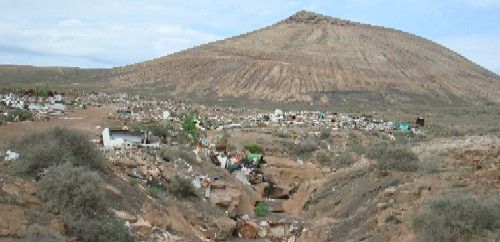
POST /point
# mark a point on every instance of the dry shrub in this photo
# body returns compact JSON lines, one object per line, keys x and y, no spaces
{"x":182,"y":187}
{"x":173,"y":154}
{"x":73,"y":190}
{"x":452,"y":217}
{"x":306,"y":146}
{"x":344,"y":160}
{"x":102,"y":229}
{"x":76,"y":192}
{"x":38,"y":233}
{"x":355,"y":145}
{"x":56,"y":146}
{"x":397,"y":158}
{"x":324,"y":134}
{"x":323,"y":158}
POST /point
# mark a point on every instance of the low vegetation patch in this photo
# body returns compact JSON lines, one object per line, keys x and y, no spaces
{"x":323,"y":158}
{"x":158,"y":129}
{"x":453,"y":217}
{"x":175,"y":153}
{"x":355,"y":144}
{"x":72,"y":190}
{"x":306,"y":146}
{"x":19,"y":115}
{"x":396,"y":158}
{"x":189,"y":126}
{"x":182,"y":187}
{"x":57,"y":146}
{"x":155,"y":192}
{"x":76,"y":192}
{"x":37,"y":233}
{"x":283,"y":133}
{"x":253,"y":148}
{"x":344,"y":159}
{"x":324,"y":134}
{"x":261,"y":209}
{"x":134,"y":182}
{"x":103,"y":229}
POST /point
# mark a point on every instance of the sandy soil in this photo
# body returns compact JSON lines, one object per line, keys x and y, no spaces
{"x":84,"y":120}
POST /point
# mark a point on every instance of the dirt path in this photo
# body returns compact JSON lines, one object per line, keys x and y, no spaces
{"x":84,"y":120}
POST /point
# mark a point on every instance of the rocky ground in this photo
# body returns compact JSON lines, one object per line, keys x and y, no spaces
{"x":308,"y":198}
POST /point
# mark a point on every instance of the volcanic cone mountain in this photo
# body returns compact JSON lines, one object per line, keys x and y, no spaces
{"x":311,"y":57}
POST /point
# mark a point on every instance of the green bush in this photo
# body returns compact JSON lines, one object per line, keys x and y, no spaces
{"x":73,"y":190}
{"x":189,"y":127}
{"x":56,"y":146}
{"x":253,"y":148}
{"x":19,"y":115}
{"x":261,"y":209}
{"x":452,"y":217}
{"x":41,"y":92}
{"x":182,"y":187}
{"x":397,"y":158}
{"x":37,"y":233}
{"x":158,"y":129}
{"x":154,"y":192}
{"x":134,"y":182}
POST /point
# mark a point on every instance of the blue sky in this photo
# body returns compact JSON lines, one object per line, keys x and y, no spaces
{"x":107,"y":33}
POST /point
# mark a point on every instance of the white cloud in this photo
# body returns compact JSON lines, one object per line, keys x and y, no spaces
{"x":69,"y":41}
{"x":119,"y":32}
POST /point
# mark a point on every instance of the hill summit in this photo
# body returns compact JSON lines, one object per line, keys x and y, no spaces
{"x":310,"y":57}
{"x":306,"y":17}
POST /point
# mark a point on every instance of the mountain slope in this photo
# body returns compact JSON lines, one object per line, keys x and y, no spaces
{"x":50,"y":76}
{"x":313,"y":57}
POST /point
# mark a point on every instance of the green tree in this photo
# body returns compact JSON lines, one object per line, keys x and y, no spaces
{"x":189,"y":127}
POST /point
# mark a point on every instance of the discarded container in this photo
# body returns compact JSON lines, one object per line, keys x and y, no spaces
{"x":233,"y":167}
{"x":196,"y":183}
{"x":222,"y":160}
{"x":256,"y":158}
{"x":11,"y":156}
{"x":420,"y":122}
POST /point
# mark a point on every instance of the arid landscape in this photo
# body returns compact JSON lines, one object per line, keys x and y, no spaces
{"x":312,"y":129}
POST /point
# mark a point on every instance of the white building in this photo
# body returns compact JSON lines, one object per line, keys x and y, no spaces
{"x":124,"y":138}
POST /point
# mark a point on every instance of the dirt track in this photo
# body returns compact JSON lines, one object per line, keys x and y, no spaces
{"x":83,"y":120}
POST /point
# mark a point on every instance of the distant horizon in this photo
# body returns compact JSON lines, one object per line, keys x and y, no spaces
{"x":117,"y":33}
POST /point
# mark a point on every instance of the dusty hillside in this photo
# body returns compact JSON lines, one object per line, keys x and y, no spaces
{"x":53,"y":76}
{"x":313,"y":57}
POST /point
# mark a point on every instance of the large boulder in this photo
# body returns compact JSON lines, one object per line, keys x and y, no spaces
{"x":228,"y":198}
